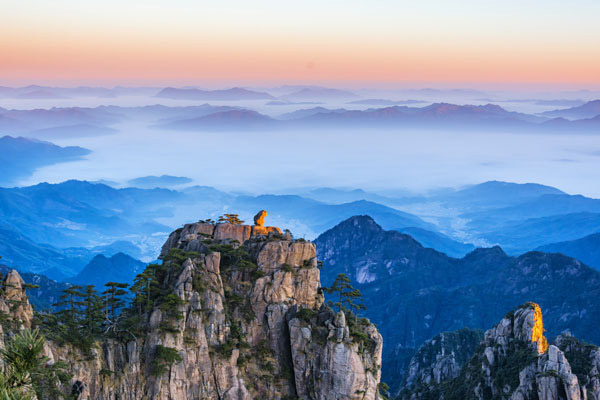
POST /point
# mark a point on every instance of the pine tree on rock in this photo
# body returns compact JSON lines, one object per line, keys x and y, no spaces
{"x":113,"y":302}
{"x":232,"y":219}
{"x":92,"y":312}
{"x":348,"y":296}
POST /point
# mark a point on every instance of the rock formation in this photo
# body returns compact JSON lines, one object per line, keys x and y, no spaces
{"x":514,"y":361}
{"x":259,"y":219}
{"x":248,"y":321}
{"x":442,"y":357}
{"x":14,"y":305}
{"x":431,"y":293}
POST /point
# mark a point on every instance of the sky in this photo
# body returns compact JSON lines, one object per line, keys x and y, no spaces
{"x":345,"y":43}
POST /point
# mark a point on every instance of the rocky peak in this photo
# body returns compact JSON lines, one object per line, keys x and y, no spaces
{"x":514,"y":361}
{"x":193,"y":237}
{"x":14,"y":303}
{"x":525,"y":325}
{"x":244,"y":319}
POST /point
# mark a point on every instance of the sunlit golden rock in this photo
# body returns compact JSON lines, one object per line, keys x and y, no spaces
{"x":259,"y":219}
{"x":264,"y":230}
{"x":537,"y":333}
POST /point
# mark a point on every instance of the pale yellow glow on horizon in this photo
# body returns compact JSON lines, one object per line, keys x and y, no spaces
{"x":186,"y":41}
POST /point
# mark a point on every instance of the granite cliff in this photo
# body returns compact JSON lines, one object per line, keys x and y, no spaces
{"x":513,"y":361}
{"x":240,"y":316}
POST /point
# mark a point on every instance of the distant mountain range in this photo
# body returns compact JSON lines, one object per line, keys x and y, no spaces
{"x":385,"y":102}
{"x":413,"y":293}
{"x":225,"y":120}
{"x":71,"y":131}
{"x":586,"y":249}
{"x":76,"y":214}
{"x":489,"y":117}
{"x":101,"y":269}
{"x":49,"y":92}
{"x":81,"y":121}
{"x":163,"y":181}
{"x":318,"y":94}
{"x":588,"y":110}
{"x":30,"y":120}
{"x":211,"y":95}
{"x":20,"y":157}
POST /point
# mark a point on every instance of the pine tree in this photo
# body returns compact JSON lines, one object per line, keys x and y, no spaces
{"x":142,"y":290}
{"x":92,"y":312}
{"x":230,"y":219}
{"x":348,"y":296}
{"x":26,"y":372}
{"x":113,"y":303}
{"x":70,"y":304}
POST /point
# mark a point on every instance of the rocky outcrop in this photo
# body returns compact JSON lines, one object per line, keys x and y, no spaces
{"x":247,"y":321}
{"x":259,"y":218}
{"x":584,"y":359}
{"x":442,"y":357}
{"x":330,"y":360}
{"x":14,"y":305}
{"x":431,"y":293}
{"x":514,"y":361}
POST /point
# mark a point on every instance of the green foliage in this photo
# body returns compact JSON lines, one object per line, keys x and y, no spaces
{"x":114,"y":301}
{"x":230,"y":219}
{"x":169,"y":305}
{"x":26,"y":373}
{"x":164,"y":357}
{"x":78,"y":321}
{"x":579,"y":354}
{"x":348,"y":296}
{"x":154,"y":288}
{"x":384,"y":391}
{"x":506,"y":369}
{"x":287,"y":268}
{"x":306,"y":314}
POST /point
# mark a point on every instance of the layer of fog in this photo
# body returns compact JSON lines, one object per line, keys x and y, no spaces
{"x":379,"y":160}
{"x":266,"y":162}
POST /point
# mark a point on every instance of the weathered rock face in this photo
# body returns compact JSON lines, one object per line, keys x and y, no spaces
{"x":585,"y":363}
{"x":514,"y":361}
{"x":442,"y":357}
{"x":14,"y":303}
{"x":329,"y":363}
{"x":240,"y":327}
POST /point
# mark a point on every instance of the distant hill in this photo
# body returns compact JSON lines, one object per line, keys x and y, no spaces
{"x":309,"y":111}
{"x":40,"y":94}
{"x":25,"y":254}
{"x":118,"y":268}
{"x":524,"y":235}
{"x":546,"y":205}
{"x":586,"y":249}
{"x":385,"y":102}
{"x":30,"y":120}
{"x":71,"y":131}
{"x":207,"y":95}
{"x":165,"y":181}
{"x":226,"y":120}
{"x":79,"y":213}
{"x":19,"y":157}
{"x":318,"y":94}
{"x":439,"y":242}
{"x":590,"y":109}
{"x":319,"y":216}
{"x":495,"y":194}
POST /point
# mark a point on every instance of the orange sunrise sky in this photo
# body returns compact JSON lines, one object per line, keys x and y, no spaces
{"x":260,"y":42}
